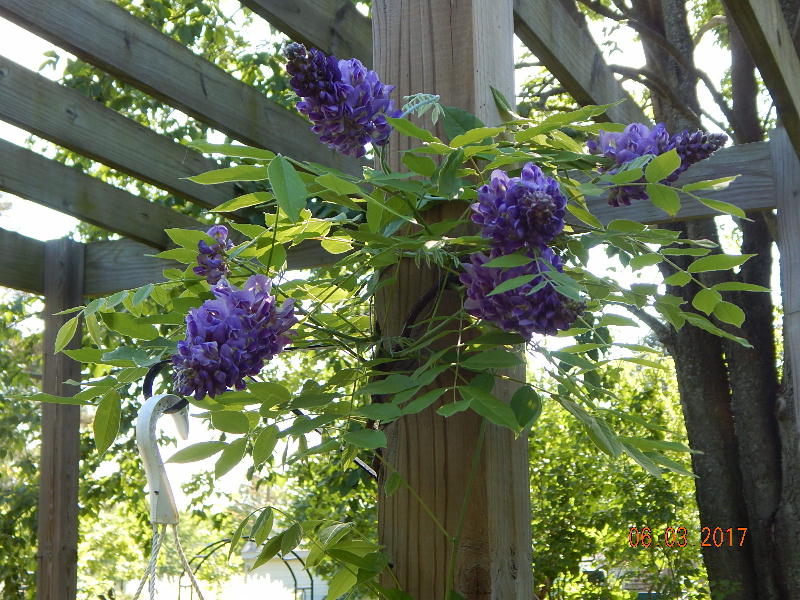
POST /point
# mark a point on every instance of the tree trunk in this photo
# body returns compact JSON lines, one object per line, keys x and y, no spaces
{"x":699,"y":359}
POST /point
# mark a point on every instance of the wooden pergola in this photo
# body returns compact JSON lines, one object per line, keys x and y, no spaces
{"x":463,"y":47}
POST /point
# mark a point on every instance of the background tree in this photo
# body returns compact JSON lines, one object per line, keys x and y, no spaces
{"x":735,"y":411}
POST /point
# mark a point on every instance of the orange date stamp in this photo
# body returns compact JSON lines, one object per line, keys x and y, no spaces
{"x":678,"y":537}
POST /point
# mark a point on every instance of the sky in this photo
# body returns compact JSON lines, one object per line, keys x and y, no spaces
{"x":42,"y":223}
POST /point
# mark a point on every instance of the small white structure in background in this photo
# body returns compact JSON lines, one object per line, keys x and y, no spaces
{"x":282,"y":578}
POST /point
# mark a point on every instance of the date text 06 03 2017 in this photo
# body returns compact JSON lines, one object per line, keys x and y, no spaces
{"x":678,"y":537}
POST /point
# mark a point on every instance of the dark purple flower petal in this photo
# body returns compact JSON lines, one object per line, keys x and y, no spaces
{"x":346,"y":102}
{"x":211,"y":262}
{"x":534,"y":307}
{"x":518,"y":212}
{"x":638,"y":140}
{"x":231,"y":337}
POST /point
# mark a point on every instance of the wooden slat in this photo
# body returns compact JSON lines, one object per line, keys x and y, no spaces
{"x":753,"y":190}
{"x":334,"y":26}
{"x":22,"y":267}
{"x":57,"y":577}
{"x":117,"y":265}
{"x":787,"y":177}
{"x":122,"y":264}
{"x":68,"y":118}
{"x":764,"y":29}
{"x":52,"y":184}
{"x":109,"y":37}
{"x":457,"y":49}
{"x":571,"y":54}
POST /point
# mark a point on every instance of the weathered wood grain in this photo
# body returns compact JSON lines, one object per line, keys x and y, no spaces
{"x":571,"y":54}
{"x":22,"y":267}
{"x":67,"y":190}
{"x":68,"y":118}
{"x":769,"y":39}
{"x":753,"y":190}
{"x":334,"y":26}
{"x":109,"y":37}
{"x":123,"y":264}
{"x":456,"y":48}
{"x":120,"y":265}
{"x":787,"y":180}
{"x":57,"y":555}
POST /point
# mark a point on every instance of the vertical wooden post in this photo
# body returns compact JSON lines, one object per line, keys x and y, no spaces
{"x":786,"y":170}
{"x":58,"y":494}
{"x":455,"y":48}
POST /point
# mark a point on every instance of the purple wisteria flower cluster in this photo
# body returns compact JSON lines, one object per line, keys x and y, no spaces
{"x":638,"y":140}
{"x":231,"y":337}
{"x":212,"y":261}
{"x":519,"y":214}
{"x":345,"y":101}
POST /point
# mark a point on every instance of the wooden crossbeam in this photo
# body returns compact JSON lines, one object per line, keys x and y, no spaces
{"x":68,"y":118}
{"x":544,"y":26}
{"x":571,"y":54}
{"x":753,"y":190}
{"x":334,"y":26}
{"x":771,"y":45}
{"x":122,"y":264}
{"x":52,"y":184}
{"x":112,"y":266}
{"x":22,"y":267}
{"x":112,"y":39}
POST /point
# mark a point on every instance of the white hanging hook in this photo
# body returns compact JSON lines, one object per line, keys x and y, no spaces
{"x":162,"y":502}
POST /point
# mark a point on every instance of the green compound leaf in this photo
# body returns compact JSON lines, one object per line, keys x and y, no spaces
{"x":195,"y":452}
{"x":289,"y":189}
{"x":106,"y":421}
{"x":408,"y":128}
{"x":244,"y":201}
{"x":368,"y":439}
{"x":509,"y":260}
{"x":512,"y":284}
{"x":645,"y":260}
{"x":269,"y":550}
{"x":718,"y":262}
{"x":475,"y":135}
{"x":662,"y":166}
{"x":265,"y":444}
{"x":680,"y":278}
{"x":231,"y":150}
{"x":492,"y":359}
{"x":527,"y":406}
{"x":341,"y":583}
{"x":458,"y":121}
{"x":706,"y":299}
{"x":231,"y":456}
{"x":729,"y":313}
{"x":230,"y":421}
{"x":263,"y":526}
{"x":393,"y":482}
{"x":664,"y":197}
{"x":291,"y":538}
{"x":736,"y":286}
{"x":127,"y":324}
{"x":66,"y":333}
{"x":240,"y":173}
